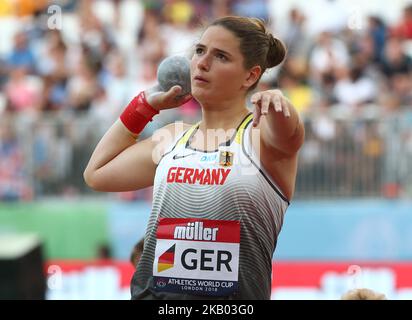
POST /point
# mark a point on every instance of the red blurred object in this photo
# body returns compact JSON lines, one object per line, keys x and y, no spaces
{"x":391,"y":190}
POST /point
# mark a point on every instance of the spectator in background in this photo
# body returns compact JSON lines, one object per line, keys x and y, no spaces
{"x":404,"y":28}
{"x":251,"y":8}
{"x":178,"y":11}
{"x":14,"y":184}
{"x":6,"y":8}
{"x":221,"y":8}
{"x":179,"y":33}
{"x":137,"y":252}
{"x":150,"y":44}
{"x":22,"y":56}
{"x":377,"y":32}
{"x":53,"y":51}
{"x":54,"y":94}
{"x":23,"y":92}
{"x":333,"y":19}
{"x":397,"y":68}
{"x":295,"y":35}
{"x":27,"y":7}
{"x":395,"y":61}
{"x":368,"y":174}
{"x":21,"y":8}
{"x":116,"y":78}
{"x":401,"y":85}
{"x":327,"y":57}
{"x":354,"y":89}
{"x":104,"y":254}
{"x":54,"y":70}
{"x":82,"y":86}
{"x":299,"y":93}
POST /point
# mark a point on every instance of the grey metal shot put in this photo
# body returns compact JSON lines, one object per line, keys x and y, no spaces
{"x":174,"y":70}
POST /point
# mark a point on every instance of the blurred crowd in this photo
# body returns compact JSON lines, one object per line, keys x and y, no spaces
{"x":68,"y":68}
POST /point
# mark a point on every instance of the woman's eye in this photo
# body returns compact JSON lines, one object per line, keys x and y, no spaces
{"x":221,"y":56}
{"x":199,"y":50}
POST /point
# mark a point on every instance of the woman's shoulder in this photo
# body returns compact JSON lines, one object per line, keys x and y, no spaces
{"x":174,"y":129}
{"x":164,"y":137}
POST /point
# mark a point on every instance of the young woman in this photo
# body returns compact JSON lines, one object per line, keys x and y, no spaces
{"x":220,"y":190}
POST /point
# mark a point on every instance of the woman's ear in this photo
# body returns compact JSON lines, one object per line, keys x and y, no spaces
{"x":252,"y":76}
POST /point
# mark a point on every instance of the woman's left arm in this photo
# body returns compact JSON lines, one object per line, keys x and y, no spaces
{"x":281,"y":127}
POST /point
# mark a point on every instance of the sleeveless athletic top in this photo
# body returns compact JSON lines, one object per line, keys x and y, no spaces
{"x":214,"y":224}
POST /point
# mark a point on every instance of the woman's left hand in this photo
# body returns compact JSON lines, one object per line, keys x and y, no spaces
{"x":266,"y":99}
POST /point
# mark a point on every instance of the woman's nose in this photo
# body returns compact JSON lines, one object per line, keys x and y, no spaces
{"x":203,"y":63}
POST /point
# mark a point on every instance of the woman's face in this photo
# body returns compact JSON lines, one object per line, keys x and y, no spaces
{"x":217,"y":70}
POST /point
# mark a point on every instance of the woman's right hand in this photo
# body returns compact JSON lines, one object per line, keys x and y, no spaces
{"x":161,"y":100}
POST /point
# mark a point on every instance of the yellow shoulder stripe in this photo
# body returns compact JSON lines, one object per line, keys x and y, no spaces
{"x":238,"y":138}
{"x":188,"y":133}
{"x":239,"y":134}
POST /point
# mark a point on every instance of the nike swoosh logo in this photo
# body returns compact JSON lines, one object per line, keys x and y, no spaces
{"x":175,"y":157}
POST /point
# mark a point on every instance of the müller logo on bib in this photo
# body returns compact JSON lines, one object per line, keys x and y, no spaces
{"x":197,"y":256}
{"x":195,"y":231}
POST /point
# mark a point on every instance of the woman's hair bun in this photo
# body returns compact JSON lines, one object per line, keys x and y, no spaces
{"x":276,"y":53}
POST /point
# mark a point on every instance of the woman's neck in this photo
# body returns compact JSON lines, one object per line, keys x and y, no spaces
{"x":222,"y":117}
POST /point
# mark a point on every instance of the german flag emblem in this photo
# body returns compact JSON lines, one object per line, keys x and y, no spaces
{"x":167,"y":259}
{"x":226,"y":158}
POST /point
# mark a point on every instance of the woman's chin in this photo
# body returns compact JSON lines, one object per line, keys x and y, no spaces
{"x":200,"y":94}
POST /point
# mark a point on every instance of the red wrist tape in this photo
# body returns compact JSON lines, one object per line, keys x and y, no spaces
{"x":137,"y":114}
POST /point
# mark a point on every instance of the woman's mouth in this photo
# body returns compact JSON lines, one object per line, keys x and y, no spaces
{"x":200,"y":79}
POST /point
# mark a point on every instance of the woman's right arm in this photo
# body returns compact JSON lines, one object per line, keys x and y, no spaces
{"x":119,"y":163}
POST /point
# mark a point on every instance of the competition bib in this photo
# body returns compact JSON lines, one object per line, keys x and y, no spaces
{"x":197,"y":256}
